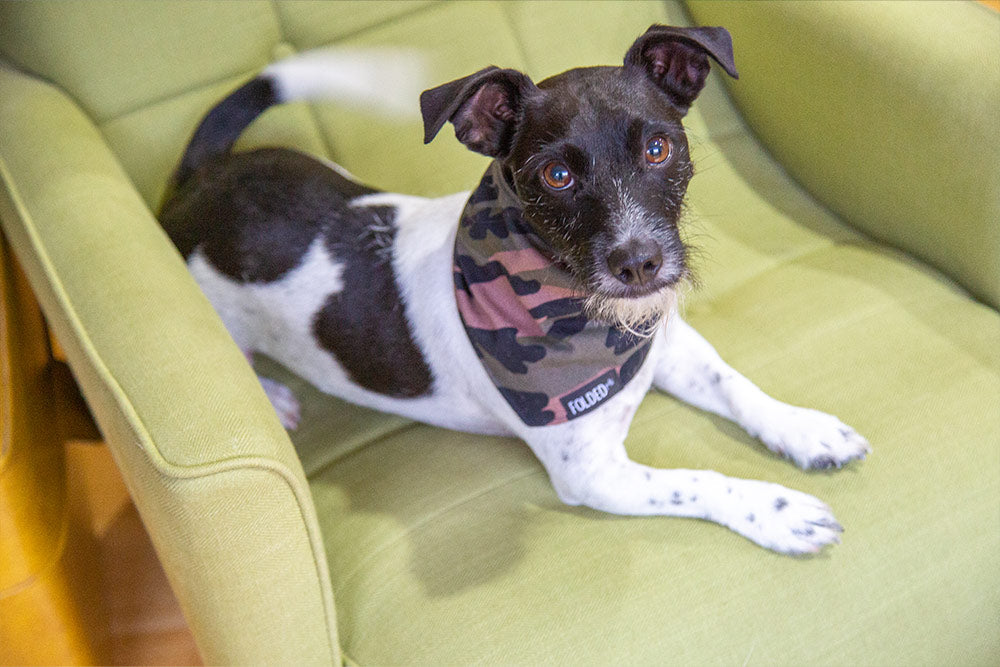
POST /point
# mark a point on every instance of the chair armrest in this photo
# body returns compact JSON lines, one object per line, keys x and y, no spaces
{"x":212,"y":472}
{"x":887,"y":113}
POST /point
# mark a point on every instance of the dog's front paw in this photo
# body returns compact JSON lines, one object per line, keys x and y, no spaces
{"x":284,"y":402}
{"x":780,"y":519}
{"x":812,"y":439}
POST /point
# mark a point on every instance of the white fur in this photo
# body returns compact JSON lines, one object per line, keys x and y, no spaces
{"x":585,"y":458}
{"x":631,"y":314}
{"x":268,"y":316}
{"x":388,"y":80}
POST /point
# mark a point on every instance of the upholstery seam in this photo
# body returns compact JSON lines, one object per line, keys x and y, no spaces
{"x":379,"y":24}
{"x":100,"y":121}
{"x":166,"y":99}
{"x":317,"y":127}
{"x":344,"y":456}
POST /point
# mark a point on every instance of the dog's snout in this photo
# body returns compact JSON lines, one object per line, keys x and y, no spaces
{"x":635,"y":262}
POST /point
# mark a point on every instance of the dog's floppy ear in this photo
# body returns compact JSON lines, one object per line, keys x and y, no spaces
{"x":484,"y":107}
{"x":676,"y":59}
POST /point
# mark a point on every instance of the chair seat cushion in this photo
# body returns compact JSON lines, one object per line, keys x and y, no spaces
{"x":446,"y":547}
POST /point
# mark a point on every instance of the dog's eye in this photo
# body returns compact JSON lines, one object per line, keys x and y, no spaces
{"x":658,"y":150}
{"x":556,"y":175}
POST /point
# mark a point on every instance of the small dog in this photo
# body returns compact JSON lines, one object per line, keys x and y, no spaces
{"x":542,"y":305}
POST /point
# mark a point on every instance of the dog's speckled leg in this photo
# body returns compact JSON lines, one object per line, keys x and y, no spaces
{"x":586,"y":470}
{"x":691,"y":370}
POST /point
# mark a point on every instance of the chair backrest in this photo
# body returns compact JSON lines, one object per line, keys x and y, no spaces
{"x":887,"y":113}
{"x":146,"y":72}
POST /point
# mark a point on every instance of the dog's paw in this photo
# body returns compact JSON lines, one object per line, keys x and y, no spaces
{"x":813,"y":440}
{"x":284,"y":402}
{"x":780,"y":519}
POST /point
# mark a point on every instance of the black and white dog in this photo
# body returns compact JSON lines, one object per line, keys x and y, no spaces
{"x":541,"y":305}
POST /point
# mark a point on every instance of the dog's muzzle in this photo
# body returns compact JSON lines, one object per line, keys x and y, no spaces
{"x":636,"y":263}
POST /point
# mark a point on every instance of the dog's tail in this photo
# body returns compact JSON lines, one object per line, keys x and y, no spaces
{"x":388,"y":80}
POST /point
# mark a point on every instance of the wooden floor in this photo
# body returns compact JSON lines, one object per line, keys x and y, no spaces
{"x":144,"y":624}
{"x":85,"y":585}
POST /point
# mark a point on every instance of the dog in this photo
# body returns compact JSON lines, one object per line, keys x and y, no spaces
{"x":542,"y":305}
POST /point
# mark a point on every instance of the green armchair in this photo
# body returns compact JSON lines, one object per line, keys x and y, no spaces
{"x":846,"y":207}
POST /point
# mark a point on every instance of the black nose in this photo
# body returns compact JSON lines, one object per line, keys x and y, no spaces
{"x":635,"y":262}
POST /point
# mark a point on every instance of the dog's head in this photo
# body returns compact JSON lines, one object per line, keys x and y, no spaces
{"x":599,"y":159}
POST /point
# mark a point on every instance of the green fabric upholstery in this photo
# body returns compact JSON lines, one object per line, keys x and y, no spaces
{"x":439,"y":547}
{"x":885,"y":114}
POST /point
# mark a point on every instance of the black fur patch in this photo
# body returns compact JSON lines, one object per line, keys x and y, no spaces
{"x":364,"y":325}
{"x":254,"y":216}
{"x":220,"y":128}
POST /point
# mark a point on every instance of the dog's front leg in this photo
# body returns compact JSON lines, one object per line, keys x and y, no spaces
{"x":690,"y":369}
{"x":587,"y":464}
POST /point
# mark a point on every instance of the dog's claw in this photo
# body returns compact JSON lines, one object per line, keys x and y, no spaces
{"x":832,"y":525}
{"x":824,"y":463}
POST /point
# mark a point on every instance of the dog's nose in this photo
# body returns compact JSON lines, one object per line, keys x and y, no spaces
{"x":635,"y":262}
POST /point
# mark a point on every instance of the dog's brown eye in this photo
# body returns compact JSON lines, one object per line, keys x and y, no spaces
{"x":658,"y":150}
{"x":556,"y":175}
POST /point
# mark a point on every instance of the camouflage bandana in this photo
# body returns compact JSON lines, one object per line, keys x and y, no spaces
{"x":524,"y":316}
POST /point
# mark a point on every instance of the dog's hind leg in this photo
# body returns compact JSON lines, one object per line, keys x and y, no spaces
{"x":588,"y":466}
{"x":282,"y":398}
{"x":284,"y":402}
{"x":691,"y":370}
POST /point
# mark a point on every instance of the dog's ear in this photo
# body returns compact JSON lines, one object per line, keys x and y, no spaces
{"x":484,"y":107}
{"x":676,"y":59}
